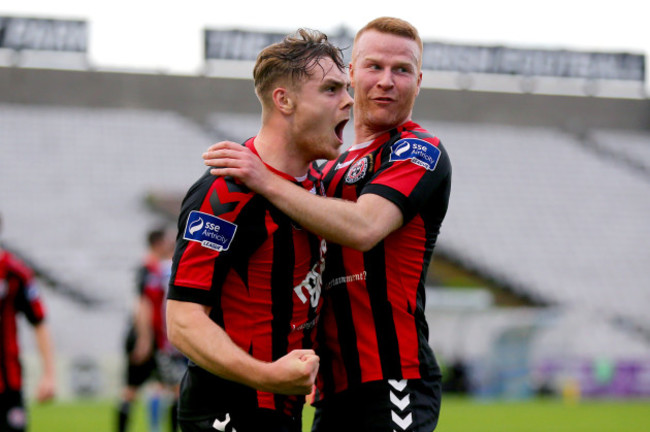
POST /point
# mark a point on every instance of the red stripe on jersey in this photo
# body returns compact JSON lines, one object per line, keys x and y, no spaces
{"x":340,"y":168}
{"x":364,"y":322}
{"x":403,"y":276}
{"x":247,"y":307}
{"x":256,"y":313}
{"x":154,"y":290}
{"x":402,"y":176}
{"x":235,"y":303}
{"x":193,"y":269}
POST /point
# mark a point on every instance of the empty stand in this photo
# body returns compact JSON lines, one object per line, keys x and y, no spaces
{"x":73,"y":184}
{"x":534,"y":208}
{"x":629,"y":147}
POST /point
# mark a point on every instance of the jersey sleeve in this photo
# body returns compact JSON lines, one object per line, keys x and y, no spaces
{"x":31,"y":304}
{"x":28,"y":298}
{"x":411,"y":171}
{"x":208,"y":235}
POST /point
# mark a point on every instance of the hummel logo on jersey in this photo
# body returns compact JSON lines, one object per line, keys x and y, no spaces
{"x":397,"y":385}
{"x":403,"y":423}
{"x":400,"y":403}
{"x":401,"y":415}
{"x":221,"y":425}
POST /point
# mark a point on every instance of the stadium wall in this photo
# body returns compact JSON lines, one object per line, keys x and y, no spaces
{"x":197,"y":96}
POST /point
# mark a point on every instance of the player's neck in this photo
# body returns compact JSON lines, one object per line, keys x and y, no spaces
{"x":364,"y":132}
{"x":278,"y":151}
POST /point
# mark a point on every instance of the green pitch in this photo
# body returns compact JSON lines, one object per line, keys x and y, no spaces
{"x":544,"y":415}
{"x":458,"y":415}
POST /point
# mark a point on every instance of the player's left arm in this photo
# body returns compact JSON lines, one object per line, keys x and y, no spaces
{"x":47,"y":385}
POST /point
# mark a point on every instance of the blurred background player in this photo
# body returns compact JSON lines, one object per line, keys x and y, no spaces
{"x":150,"y":356}
{"x":19,"y":294}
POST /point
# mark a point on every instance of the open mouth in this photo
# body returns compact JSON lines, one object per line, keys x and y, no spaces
{"x":338,"y":130}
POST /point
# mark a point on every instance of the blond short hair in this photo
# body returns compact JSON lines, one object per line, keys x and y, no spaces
{"x":394,"y":26}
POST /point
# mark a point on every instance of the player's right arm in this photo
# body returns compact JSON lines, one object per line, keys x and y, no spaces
{"x":192,"y":331}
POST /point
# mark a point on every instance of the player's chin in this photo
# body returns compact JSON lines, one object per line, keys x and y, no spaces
{"x":331,"y":151}
{"x":325,"y":147}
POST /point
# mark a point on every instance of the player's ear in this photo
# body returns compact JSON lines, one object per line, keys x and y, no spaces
{"x":283,"y":100}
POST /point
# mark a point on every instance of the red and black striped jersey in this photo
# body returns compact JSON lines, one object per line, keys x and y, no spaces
{"x":373,"y":325}
{"x":152,"y":281}
{"x":261,"y":274}
{"x":18,"y":294}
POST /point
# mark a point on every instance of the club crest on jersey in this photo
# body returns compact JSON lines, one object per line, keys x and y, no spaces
{"x":418,"y":151}
{"x":212,"y":232}
{"x":359,"y":170}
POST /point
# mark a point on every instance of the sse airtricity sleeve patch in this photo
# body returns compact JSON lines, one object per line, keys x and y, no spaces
{"x":212,"y":232}
{"x":418,"y":151}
